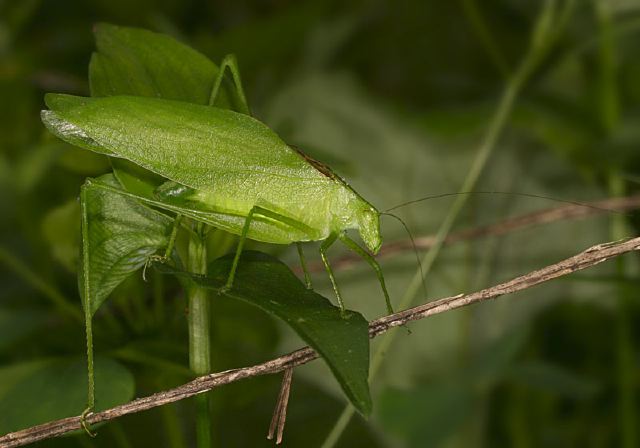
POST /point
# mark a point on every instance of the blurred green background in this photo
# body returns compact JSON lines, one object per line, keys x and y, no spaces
{"x":396,"y":95}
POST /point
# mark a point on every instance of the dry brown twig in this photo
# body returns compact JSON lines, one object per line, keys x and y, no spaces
{"x":276,"y":428}
{"x":588,"y":258}
{"x":546,"y":216}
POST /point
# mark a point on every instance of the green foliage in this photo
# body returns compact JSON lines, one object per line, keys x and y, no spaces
{"x":133,"y":61}
{"x":394,"y":95}
{"x":267,"y":283}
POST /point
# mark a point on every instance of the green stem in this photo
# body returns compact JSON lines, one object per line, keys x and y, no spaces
{"x":608,"y":103}
{"x":483,"y":32}
{"x":608,"y":109}
{"x":544,"y":33}
{"x":199,"y":329}
{"x":625,"y":350}
{"x":171,"y":423}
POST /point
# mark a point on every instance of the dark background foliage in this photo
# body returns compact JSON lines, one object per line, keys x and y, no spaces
{"x":395,"y":96}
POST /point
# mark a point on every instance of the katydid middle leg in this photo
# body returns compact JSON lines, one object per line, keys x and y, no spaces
{"x":303,"y":263}
{"x":257,"y":210}
{"x":326,"y":244}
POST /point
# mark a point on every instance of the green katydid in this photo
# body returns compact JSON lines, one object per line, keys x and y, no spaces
{"x":225,"y":169}
{"x":222,"y":168}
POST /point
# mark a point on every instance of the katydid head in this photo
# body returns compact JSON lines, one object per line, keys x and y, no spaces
{"x":352,"y":211}
{"x":368,"y":219}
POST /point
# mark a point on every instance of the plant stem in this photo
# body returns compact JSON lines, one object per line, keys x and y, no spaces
{"x":609,"y":111}
{"x":171,"y":420}
{"x":483,"y":33}
{"x":546,"y":29}
{"x":199,"y":338}
{"x":625,"y":350}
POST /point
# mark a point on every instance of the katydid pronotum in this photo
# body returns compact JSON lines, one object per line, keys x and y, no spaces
{"x":224,"y":169}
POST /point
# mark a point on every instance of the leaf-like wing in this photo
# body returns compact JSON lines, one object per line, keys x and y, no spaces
{"x":231,"y":160}
{"x":185,"y":142}
{"x":73,"y":134}
{"x":269,"y":284}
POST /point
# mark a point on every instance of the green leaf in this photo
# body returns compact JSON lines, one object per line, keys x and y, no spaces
{"x":40,"y":391}
{"x":269,"y":284}
{"x":133,"y":61}
{"x":121,"y":235}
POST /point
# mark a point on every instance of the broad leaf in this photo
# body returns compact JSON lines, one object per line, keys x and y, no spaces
{"x":40,"y":391}
{"x":266,"y":282}
{"x":133,"y":61}
{"x":121,"y":235}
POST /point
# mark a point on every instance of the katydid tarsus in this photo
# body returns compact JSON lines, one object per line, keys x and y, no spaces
{"x":224,"y":169}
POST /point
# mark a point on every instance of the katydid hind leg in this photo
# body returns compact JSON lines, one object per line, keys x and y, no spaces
{"x":326,"y":244}
{"x":230,"y":62}
{"x":372,"y":262}
{"x":88,"y":316}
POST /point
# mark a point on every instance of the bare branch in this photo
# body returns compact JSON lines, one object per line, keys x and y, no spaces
{"x":546,"y":216}
{"x":590,"y":257}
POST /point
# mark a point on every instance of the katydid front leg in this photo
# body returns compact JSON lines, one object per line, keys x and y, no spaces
{"x":169,"y":249}
{"x":372,"y":262}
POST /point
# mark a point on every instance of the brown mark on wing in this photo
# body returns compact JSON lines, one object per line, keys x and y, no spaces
{"x":328,"y":172}
{"x":324,"y":169}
